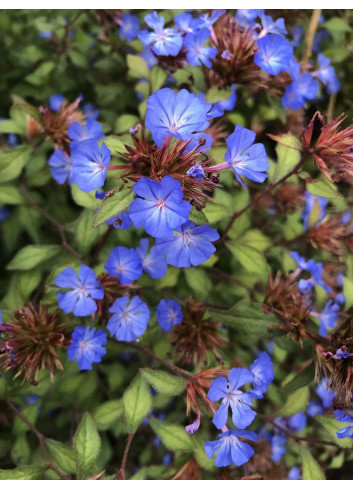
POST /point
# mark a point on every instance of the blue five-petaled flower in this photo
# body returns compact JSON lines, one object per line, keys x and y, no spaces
{"x":168,"y":314}
{"x":89,"y":164}
{"x":87,"y":347}
{"x":230,"y":449}
{"x":130,"y":318}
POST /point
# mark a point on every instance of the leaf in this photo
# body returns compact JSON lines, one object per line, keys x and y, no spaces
{"x":40,"y":75}
{"x":113,"y":204}
{"x":62,"y":456}
{"x":323,"y":188}
{"x":248,"y":319}
{"x":348,"y":292}
{"x":29,"y":110}
{"x":198,"y":217}
{"x":10,"y":127}
{"x":85,"y":234}
{"x":10,"y":195}
{"x":163,"y":382}
{"x":215,"y":212}
{"x":115,"y":144}
{"x":305,"y":377}
{"x":331,"y":426}
{"x":336,"y":24}
{"x":23,"y":473}
{"x":311,"y":469}
{"x":198,"y":281}
{"x":122,"y":125}
{"x":32,"y":255}
{"x":29,"y":281}
{"x":295,"y":402}
{"x":87,"y":445}
{"x":12,"y":162}
{"x":250,"y":258}
{"x":137,"y":403}
{"x":173,"y":437}
{"x":288,"y":140}
{"x":137,"y":66}
{"x":287,"y":159}
{"x":85,"y":199}
{"x":157,"y":78}
{"x":215,"y":94}
{"x":107,"y":414}
{"x":256,"y":239}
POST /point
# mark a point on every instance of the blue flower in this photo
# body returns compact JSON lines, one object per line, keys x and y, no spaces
{"x":316,"y":273}
{"x":45,"y":34}
{"x":129,"y":27}
{"x":316,"y":203}
{"x":247,"y":17}
{"x":12,"y":140}
{"x":245,"y":158}
{"x":87,"y":347}
{"x":91,"y":130}
{"x":168,"y":314}
{"x":164,"y":42}
{"x":56,"y":101}
{"x":238,"y":401}
{"x":314,"y":408}
{"x":129,"y":320}
{"x":297,"y":422}
{"x":229,"y":103}
{"x":152,"y":262}
{"x":278,"y":447}
{"x":262,"y":370}
{"x":162,"y":208}
{"x":327,"y":75}
{"x":274,"y":55}
{"x":61,"y":166}
{"x":124,"y":263}
{"x":90,"y":111}
{"x":303,"y":88}
{"x":190,"y":245}
{"x":230,"y":449}
{"x":297,"y":35}
{"x":196,"y":53}
{"x":90,"y":164}
{"x":187,"y":23}
{"x":196,"y":172}
{"x":4,"y":214}
{"x":85,"y":288}
{"x":341,"y":354}
{"x":328,"y":317}
{"x":149,"y":57}
{"x":293,"y":474}
{"x":32,"y":399}
{"x":120,"y":221}
{"x":326,"y":395}
{"x":181,"y":115}
{"x":269,"y":26}
{"x":347,"y":431}
{"x":207,"y":21}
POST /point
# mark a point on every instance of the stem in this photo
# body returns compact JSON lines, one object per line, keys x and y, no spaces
{"x":310,"y":35}
{"x":121,"y":474}
{"x":60,"y":227}
{"x":260,"y":195}
{"x":41,"y":439}
{"x":100,"y":246}
{"x":176,"y":370}
{"x":313,"y":441}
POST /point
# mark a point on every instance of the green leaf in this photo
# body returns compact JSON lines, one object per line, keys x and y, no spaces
{"x":287,"y":159}
{"x":10,"y":195}
{"x":256,"y":239}
{"x":215,"y":94}
{"x":107,"y":414}
{"x":12,"y":162}
{"x":215,"y":212}
{"x":305,"y":377}
{"x":348,"y":292}
{"x":113,"y":204}
{"x":21,"y":451}
{"x":331,"y":426}
{"x":29,"y":110}
{"x":137,"y":66}
{"x":84,"y":199}
{"x":336,"y":24}
{"x":29,"y":281}
{"x":288,"y":140}
{"x":31,"y":413}
{"x":62,"y":456}
{"x":122,"y":125}
{"x":198,"y":217}
{"x":173,"y":437}
{"x":295,"y":402}
{"x":41,"y":74}
{"x":157,"y":78}
{"x":246,"y":319}
{"x":311,"y":469}
{"x":32,"y":255}
{"x":87,"y":445}
{"x":198,"y":281}
{"x":23,"y":473}
{"x":250,"y":258}
{"x":10,"y":127}
{"x":323,"y":188}
{"x":137,"y":403}
{"x":115,"y":144}
{"x":85,"y":234}
{"x":163,"y":382}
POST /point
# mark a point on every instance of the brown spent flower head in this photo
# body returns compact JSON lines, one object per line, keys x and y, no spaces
{"x":30,"y":342}
{"x":172,"y":63}
{"x":329,"y":236}
{"x":196,"y":336}
{"x":332,"y":151}
{"x":289,"y":197}
{"x":146,"y":160}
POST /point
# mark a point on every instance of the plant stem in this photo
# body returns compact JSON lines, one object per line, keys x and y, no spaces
{"x":174,"y":369}
{"x":121,"y":474}
{"x":260,"y":195}
{"x":310,"y":35}
{"x":60,"y":227}
{"x":41,"y":439}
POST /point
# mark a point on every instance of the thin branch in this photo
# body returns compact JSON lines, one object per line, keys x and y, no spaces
{"x":176,"y":370}
{"x":100,"y":246}
{"x":60,"y":227}
{"x":121,"y":474}
{"x":260,"y":195}
{"x":313,"y":441}
{"x":310,"y":35}
{"x":41,"y":439}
